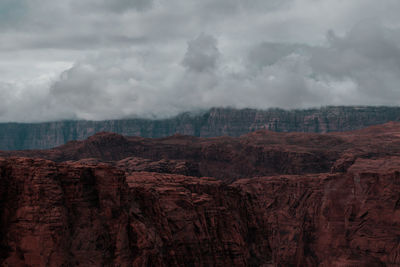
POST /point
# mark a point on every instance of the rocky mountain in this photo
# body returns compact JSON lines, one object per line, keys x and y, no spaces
{"x":215,"y":122}
{"x":270,"y":199}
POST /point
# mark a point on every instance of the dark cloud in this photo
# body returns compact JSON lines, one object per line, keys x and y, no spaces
{"x":267,"y":54}
{"x":202,"y":54}
{"x":368,"y":55}
{"x":11,"y":12}
{"x":101,"y":59}
{"x":115,"y":6}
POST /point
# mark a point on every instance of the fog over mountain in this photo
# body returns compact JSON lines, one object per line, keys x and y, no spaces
{"x":99,"y":59}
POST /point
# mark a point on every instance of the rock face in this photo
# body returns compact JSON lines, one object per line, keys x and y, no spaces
{"x":61,"y":215}
{"x":75,"y":215}
{"x":227,"y":158}
{"x":332,"y":200}
{"x":215,"y":122}
{"x":259,"y":153}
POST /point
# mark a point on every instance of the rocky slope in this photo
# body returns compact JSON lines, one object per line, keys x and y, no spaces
{"x":215,"y":122}
{"x":275,"y":199}
{"x":259,"y":153}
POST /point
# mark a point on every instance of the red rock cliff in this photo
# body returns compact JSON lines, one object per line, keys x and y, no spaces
{"x":138,"y":211}
{"x":71,"y":215}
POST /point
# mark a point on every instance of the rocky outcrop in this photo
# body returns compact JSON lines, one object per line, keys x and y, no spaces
{"x":212,"y":123}
{"x":135,"y":164}
{"x":275,"y":199}
{"x":349,"y":219}
{"x":70,"y":214}
{"x":260,"y":153}
{"x":62,"y":215}
{"x":226,"y":158}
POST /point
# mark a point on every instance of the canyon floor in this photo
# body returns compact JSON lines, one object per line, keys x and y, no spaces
{"x":261,"y":199}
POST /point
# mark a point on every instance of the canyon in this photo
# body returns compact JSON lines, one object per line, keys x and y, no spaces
{"x":212,"y":123}
{"x":265,"y":198}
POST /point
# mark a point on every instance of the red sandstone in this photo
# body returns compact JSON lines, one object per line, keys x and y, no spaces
{"x":274,"y":200}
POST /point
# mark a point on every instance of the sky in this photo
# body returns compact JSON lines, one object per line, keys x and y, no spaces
{"x":102,"y":59}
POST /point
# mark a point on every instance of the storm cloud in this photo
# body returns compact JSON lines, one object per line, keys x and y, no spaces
{"x":102,"y":59}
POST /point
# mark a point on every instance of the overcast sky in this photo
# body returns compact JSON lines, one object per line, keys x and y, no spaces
{"x":103,"y":59}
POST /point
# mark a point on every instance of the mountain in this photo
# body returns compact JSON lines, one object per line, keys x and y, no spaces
{"x":215,"y":122}
{"x":270,"y":199}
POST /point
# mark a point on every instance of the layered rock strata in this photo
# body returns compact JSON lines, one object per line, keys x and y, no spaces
{"x":212,"y":123}
{"x":274,"y":199}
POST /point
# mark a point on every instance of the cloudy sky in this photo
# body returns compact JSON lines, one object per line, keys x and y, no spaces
{"x":108,"y":59}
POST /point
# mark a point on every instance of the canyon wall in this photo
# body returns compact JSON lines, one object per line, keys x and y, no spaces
{"x":274,"y":199}
{"x":73,"y":214}
{"x":215,"y":122}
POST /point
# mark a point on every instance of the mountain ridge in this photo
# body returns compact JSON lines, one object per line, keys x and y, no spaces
{"x":212,"y":123}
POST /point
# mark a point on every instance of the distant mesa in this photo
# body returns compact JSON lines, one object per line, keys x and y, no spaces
{"x":212,"y":123}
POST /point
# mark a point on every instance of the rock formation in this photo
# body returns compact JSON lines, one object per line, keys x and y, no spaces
{"x":274,"y":199}
{"x":212,"y":123}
